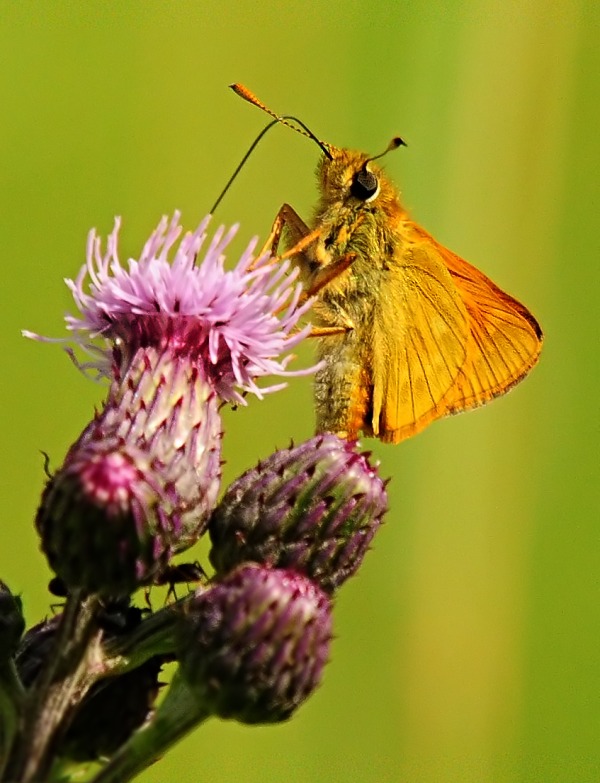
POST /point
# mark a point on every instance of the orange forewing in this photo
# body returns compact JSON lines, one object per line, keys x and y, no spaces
{"x":460,"y":341}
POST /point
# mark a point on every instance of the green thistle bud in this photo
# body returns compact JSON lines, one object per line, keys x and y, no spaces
{"x":253,"y":646}
{"x":314,"y":508}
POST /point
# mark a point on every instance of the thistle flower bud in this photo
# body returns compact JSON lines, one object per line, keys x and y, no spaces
{"x":254,"y":645}
{"x":139,"y":483}
{"x":12,"y":622}
{"x":314,"y":508}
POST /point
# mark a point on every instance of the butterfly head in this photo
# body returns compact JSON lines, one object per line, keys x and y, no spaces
{"x":353,"y":178}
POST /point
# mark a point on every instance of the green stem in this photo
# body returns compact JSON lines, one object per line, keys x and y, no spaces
{"x":154,"y":636}
{"x":177,"y":715}
{"x":60,"y":686}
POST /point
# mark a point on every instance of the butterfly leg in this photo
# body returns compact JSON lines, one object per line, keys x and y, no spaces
{"x":328,"y":273}
{"x":329,"y":331}
{"x":302,"y":237}
{"x":344,"y":410}
{"x":300,"y":233}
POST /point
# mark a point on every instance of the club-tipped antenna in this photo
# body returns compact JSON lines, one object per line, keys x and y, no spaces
{"x":304,"y":130}
{"x":285,"y":119}
{"x":396,"y":142}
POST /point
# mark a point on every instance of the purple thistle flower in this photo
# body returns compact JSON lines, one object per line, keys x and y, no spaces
{"x":174,"y":338}
{"x":228,"y":320}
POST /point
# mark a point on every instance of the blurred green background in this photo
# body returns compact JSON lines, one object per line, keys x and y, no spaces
{"x":468,"y":647}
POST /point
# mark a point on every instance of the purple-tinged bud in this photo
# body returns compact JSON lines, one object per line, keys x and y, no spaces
{"x":314,"y":508}
{"x":253,"y":646}
{"x":12,"y":622}
{"x":139,"y":483}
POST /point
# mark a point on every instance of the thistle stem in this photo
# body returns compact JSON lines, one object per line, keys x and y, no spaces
{"x":154,"y":636}
{"x":61,"y":685}
{"x":178,"y":714}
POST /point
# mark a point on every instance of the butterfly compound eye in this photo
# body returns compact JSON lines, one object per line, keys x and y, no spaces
{"x":364,"y":185}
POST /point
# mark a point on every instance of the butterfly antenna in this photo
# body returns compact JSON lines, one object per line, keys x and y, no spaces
{"x":304,"y":130}
{"x":396,"y":142}
{"x":290,"y":122}
{"x":241,"y":164}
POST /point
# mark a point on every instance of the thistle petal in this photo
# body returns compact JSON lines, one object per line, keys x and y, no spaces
{"x":235,"y":322}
